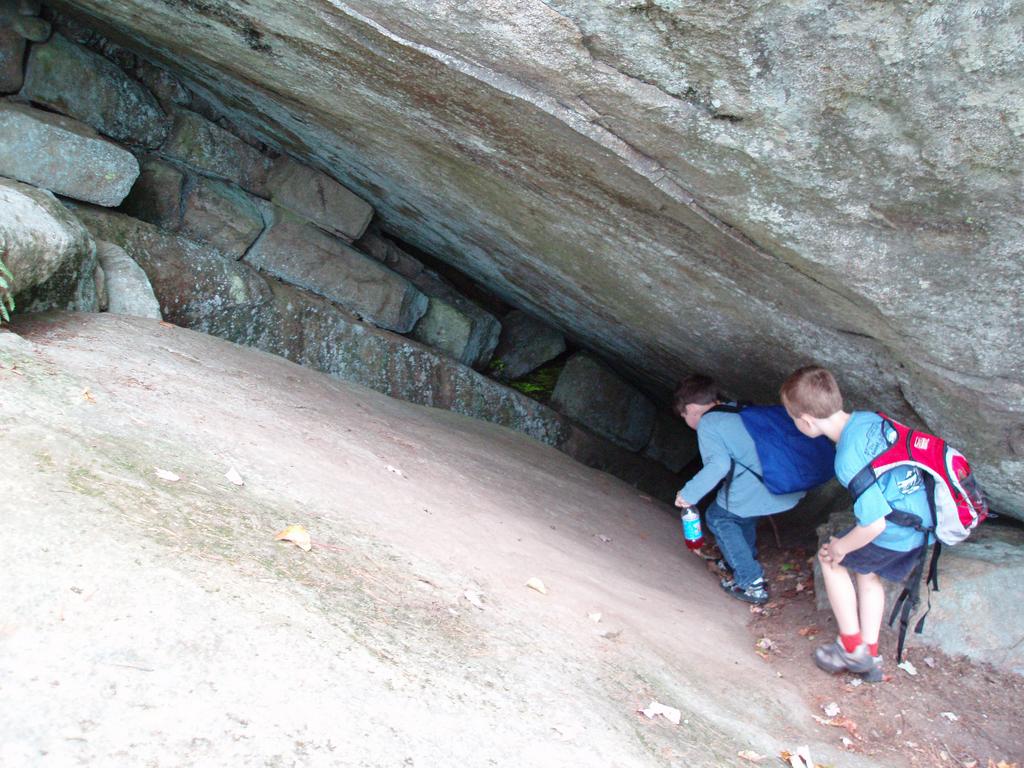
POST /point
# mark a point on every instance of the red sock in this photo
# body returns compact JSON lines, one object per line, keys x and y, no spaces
{"x":850,"y":642}
{"x":873,"y":647}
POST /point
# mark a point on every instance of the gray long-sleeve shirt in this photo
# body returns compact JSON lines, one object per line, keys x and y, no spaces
{"x":722,"y":439}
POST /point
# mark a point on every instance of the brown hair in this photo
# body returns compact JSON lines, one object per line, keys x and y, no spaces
{"x":811,"y":390}
{"x":696,"y":388}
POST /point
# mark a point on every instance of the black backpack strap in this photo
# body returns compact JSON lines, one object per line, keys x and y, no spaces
{"x":727,"y":482}
{"x":860,"y":482}
{"x":910,"y":597}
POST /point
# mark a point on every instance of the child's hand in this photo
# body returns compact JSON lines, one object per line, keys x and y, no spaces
{"x":682,"y":503}
{"x":834,"y":550}
{"x":824,"y":555}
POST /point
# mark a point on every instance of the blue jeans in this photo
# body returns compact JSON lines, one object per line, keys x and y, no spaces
{"x":737,"y":538}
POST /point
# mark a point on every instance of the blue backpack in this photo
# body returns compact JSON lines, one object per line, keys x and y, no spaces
{"x":790,"y":461}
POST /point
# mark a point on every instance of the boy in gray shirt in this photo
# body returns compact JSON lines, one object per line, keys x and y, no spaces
{"x":728,"y":453}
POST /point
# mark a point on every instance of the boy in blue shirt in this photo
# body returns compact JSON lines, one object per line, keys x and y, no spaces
{"x":727,"y":451}
{"x":875,"y":548}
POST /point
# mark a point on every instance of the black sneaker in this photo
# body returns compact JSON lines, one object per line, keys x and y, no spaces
{"x":756,"y":592}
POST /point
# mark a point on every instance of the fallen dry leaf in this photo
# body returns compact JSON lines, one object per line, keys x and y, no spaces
{"x":297,"y":535}
{"x":811,"y":631}
{"x":87,"y":396}
{"x":839,"y":722}
{"x":764,"y":646}
{"x":751,"y":755}
{"x":537,"y":584}
{"x":908,"y":667}
{"x":165,"y":324}
{"x":655,"y":708}
{"x":166,"y":474}
{"x":1001,"y":764}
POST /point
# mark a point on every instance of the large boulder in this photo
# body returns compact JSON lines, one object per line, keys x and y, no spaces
{"x":63,"y":156}
{"x":525,"y":344}
{"x":738,"y":188}
{"x":77,"y":82}
{"x":50,"y":254}
{"x":315,"y":196}
{"x":128,"y":290}
{"x":592,"y":394}
{"x":196,"y":285}
{"x":304,"y":255}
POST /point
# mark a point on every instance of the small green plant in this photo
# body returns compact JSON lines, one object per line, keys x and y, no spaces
{"x":497,"y":365}
{"x":540,"y":384}
{"x":6,"y":299}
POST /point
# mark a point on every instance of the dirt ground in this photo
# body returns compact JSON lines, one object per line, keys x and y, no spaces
{"x":953,"y":712}
{"x":150,"y":618}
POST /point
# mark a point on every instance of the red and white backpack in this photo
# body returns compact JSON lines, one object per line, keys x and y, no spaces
{"x":957,"y":500}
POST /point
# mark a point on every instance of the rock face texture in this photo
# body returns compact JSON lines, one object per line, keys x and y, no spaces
{"x":737,"y":188}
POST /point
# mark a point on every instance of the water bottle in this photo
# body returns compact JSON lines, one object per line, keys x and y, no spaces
{"x":691,"y":529}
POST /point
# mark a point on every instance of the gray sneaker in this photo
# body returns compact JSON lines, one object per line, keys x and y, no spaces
{"x":832,"y":657}
{"x":874,"y":675}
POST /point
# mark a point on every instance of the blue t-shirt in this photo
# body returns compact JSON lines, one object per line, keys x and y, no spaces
{"x":863,"y":438}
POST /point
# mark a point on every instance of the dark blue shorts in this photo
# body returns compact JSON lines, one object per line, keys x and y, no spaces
{"x":887,"y":563}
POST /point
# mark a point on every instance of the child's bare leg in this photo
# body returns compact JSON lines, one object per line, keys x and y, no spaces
{"x":871,"y":603}
{"x":841,"y":596}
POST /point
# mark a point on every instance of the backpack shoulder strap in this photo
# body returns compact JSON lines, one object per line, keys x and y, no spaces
{"x":728,"y":408}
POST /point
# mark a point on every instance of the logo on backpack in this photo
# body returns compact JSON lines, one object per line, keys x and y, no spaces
{"x":912,"y":483}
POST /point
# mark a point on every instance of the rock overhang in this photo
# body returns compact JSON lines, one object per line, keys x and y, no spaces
{"x":830,"y":190}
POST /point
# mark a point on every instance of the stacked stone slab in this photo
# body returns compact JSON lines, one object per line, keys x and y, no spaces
{"x":208,"y":149}
{"x":595,"y":396}
{"x":81,"y":84}
{"x":63,"y":156}
{"x":302,"y":254}
{"x":452,"y":323}
{"x":218,"y":213}
{"x":526,"y":344}
{"x":196,"y":285}
{"x":317,"y":197}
